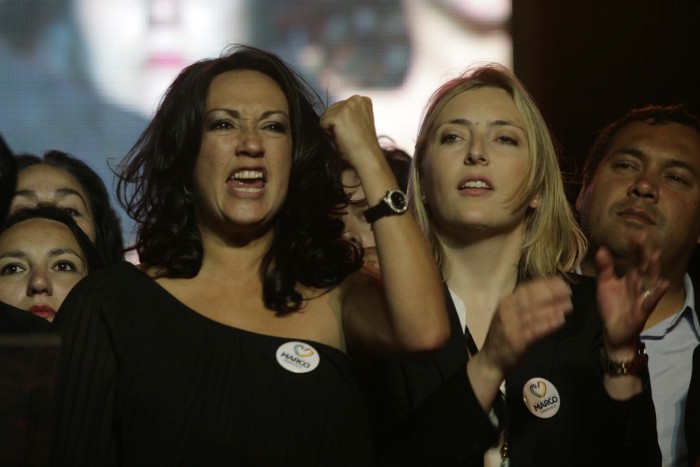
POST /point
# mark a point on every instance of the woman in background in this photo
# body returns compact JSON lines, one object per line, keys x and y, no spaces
{"x":43,"y":254}
{"x":60,"y":179}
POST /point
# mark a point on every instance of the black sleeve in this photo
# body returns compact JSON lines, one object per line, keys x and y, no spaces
{"x":624,"y":432}
{"x":449,"y":428}
{"x":83,"y":416}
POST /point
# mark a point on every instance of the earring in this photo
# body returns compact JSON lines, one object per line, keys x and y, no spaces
{"x":188,"y":195}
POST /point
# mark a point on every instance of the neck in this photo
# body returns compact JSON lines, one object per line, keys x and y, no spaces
{"x":231,"y":258}
{"x":481,"y":273}
{"x":487,"y":268}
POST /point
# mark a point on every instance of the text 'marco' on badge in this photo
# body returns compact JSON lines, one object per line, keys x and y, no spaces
{"x":297,"y":357}
{"x":541,"y":398}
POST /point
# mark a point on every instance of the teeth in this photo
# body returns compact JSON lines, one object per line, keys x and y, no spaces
{"x":249,"y":190}
{"x":475,"y":184}
{"x":247,"y":175}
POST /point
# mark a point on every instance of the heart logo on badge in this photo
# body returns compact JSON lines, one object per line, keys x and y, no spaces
{"x":303,"y":351}
{"x":541,"y":398}
{"x":539,"y":389}
{"x":298,"y":357}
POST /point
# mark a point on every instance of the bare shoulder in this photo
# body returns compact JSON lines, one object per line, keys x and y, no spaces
{"x":355,"y":285}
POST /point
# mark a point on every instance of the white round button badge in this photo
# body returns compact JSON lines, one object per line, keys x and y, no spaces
{"x":297,"y":357}
{"x":541,"y":398}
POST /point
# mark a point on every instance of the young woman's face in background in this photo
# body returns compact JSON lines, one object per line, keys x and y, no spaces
{"x":40,"y":262}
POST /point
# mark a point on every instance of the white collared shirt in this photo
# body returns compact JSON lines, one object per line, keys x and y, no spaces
{"x":670,"y":346}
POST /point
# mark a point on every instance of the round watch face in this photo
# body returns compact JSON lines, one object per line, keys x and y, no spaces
{"x":398,"y":201}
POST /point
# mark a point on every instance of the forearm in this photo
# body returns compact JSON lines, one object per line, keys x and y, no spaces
{"x":412,"y":284}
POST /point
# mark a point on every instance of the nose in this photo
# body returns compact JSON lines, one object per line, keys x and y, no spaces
{"x":476,"y":153}
{"x":351,"y":236}
{"x":644,"y":187}
{"x":163,"y":12}
{"x":351,"y":233}
{"x":39,"y":284}
{"x":251,"y":144}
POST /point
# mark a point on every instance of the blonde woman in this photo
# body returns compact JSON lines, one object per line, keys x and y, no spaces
{"x":488,"y":193}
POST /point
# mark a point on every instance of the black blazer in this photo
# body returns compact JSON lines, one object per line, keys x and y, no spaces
{"x":425,"y":412}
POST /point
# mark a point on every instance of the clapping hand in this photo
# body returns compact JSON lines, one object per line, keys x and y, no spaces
{"x":625,"y":302}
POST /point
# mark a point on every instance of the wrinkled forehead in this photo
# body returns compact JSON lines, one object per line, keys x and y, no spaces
{"x":668,"y":141}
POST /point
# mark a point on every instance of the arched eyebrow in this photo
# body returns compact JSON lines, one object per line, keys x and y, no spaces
{"x":62,"y":251}
{"x":236,"y":114}
{"x":494,"y":123}
{"x":19,"y":254}
{"x":61,"y":193}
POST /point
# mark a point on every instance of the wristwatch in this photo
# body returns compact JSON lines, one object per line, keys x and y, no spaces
{"x":629,"y":367}
{"x":393,"y":203}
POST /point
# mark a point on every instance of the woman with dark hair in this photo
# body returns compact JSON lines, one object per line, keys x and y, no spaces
{"x":12,"y":320}
{"x":228,"y":345}
{"x":58,"y":178}
{"x":43,"y":254}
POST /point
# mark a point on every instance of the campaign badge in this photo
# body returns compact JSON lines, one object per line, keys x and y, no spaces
{"x":541,"y":398}
{"x":297,"y":357}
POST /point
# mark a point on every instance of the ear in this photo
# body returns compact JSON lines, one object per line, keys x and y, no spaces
{"x":535,"y":201}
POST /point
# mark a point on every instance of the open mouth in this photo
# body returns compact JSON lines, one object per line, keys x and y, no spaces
{"x":475,"y":184}
{"x":248,"y":180}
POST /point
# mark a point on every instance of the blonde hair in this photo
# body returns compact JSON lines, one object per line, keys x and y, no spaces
{"x":553,"y":242}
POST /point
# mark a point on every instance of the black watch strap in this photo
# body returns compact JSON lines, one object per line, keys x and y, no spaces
{"x":393,"y":203}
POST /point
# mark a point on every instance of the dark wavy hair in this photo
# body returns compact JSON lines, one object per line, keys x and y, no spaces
{"x":651,"y":114}
{"x":307,"y":248}
{"x":108,"y":234}
{"x":93,"y":260}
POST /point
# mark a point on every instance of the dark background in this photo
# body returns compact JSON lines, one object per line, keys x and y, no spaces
{"x":587,"y":62}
